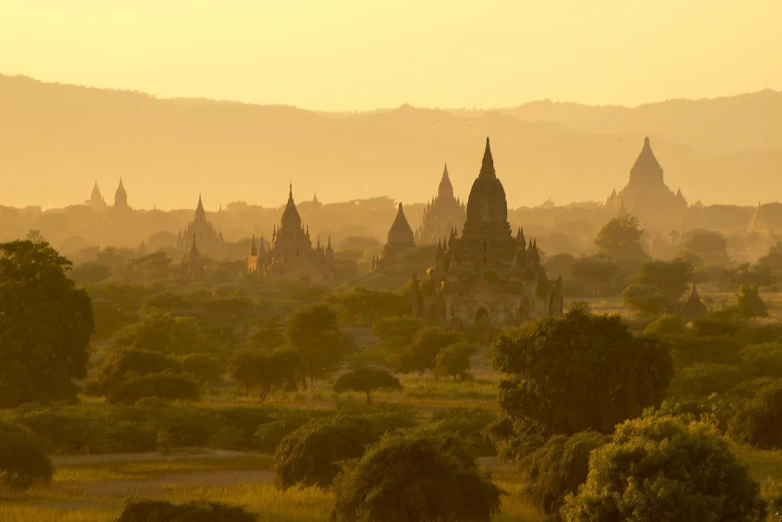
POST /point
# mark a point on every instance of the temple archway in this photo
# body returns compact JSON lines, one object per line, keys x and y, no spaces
{"x":482,"y":316}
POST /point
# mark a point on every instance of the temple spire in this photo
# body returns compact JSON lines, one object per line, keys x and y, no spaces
{"x":487,"y":165}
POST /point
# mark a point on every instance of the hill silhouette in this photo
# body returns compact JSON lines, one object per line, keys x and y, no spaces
{"x":56,"y":140}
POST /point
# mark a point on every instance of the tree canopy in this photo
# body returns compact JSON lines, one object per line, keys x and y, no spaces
{"x":314,"y":334}
{"x":367,"y":380}
{"x":45,"y":325}
{"x":663,"y":469}
{"x":580,"y":372}
{"x":620,"y":239}
{"x":266,"y":372}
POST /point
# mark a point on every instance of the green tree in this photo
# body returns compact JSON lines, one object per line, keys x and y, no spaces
{"x":366,"y":380}
{"x":166,"y":386}
{"x":598,"y":272}
{"x":397,"y":332}
{"x":666,"y":325}
{"x":311,"y":455}
{"x":556,"y":470}
{"x":413,"y":478}
{"x":710,"y":246}
{"x":662,"y":469}
{"x":754,"y":275}
{"x":266,"y":372}
{"x":644,"y":299}
{"x":759,"y":421}
{"x":364,"y":306}
{"x":750,"y":304}
{"x":580,"y":372}
{"x":22,"y":460}
{"x":161,"y":331}
{"x":268,"y":335}
{"x":421,"y":356}
{"x":670,"y":278}
{"x":454,"y":360}
{"x":125,"y":362}
{"x":137,"y":510}
{"x":90,"y":273}
{"x":45,"y":325}
{"x":620,"y":240}
{"x":314,"y":334}
{"x":202,"y":368}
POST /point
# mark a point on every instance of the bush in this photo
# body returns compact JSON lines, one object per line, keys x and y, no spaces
{"x":367,"y":381}
{"x":397,"y":332}
{"x":202,"y":368}
{"x":310,"y":456}
{"x":701,"y":380}
{"x":22,"y":459}
{"x":469,"y":425}
{"x":413,"y":478}
{"x":759,"y":422}
{"x":663,"y":469}
{"x":762,"y":360}
{"x":196,"y":511}
{"x":666,"y":325}
{"x":266,"y":372}
{"x":749,"y":303}
{"x":168,"y":386}
{"x":689,"y":349}
{"x":120,"y":363}
{"x":716,"y":324}
{"x":454,"y":360}
{"x":557,"y":469}
{"x":270,"y":434}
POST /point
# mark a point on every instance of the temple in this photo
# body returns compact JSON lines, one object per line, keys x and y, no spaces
{"x":400,"y":238}
{"x":646,"y":195}
{"x":486,"y":276}
{"x":290,"y":254}
{"x":441,"y":215}
{"x":120,"y":197}
{"x":693,"y":308}
{"x":96,"y":200}
{"x":192,"y":265}
{"x":203,"y":231}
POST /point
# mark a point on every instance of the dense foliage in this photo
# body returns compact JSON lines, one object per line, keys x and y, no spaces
{"x":45,"y":325}
{"x":196,"y":511}
{"x":22,"y":459}
{"x":366,"y":380}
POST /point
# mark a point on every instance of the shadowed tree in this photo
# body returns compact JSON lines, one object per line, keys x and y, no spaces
{"x":620,"y":240}
{"x":314,"y":334}
{"x":265,"y":372}
{"x":45,"y":325}
{"x":367,"y":380}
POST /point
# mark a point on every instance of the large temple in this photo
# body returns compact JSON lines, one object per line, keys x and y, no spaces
{"x":400,"y":238}
{"x":290,"y":254}
{"x":486,"y":275}
{"x":441,"y":215}
{"x":203,"y":231}
{"x":646,"y":195}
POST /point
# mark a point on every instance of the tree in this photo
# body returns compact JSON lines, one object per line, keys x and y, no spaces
{"x":413,"y":478}
{"x":363,"y":306}
{"x":620,"y":240}
{"x":644,"y":299}
{"x":750,"y":304}
{"x":666,"y":325}
{"x":670,"y":278}
{"x":314,"y":334}
{"x":121,"y":363}
{"x":422,"y":354}
{"x":662,"y":469}
{"x":195,"y":511}
{"x":580,"y":372}
{"x":454,"y":360}
{"x":268,"y":336}
{"x":311,"y":455}
{"x":22,"y":460}
{"x":90,"y":273}
{"x":397,"y":332}
{"x":202,"y":368}
{"x":755,"y":275}
{"x":710,"y":246}
{"x":759,"y":421}
{"x":161,"y":331}
{"x":45,"y":325}
{"x":557,"y":469}
{"x":266,"y":372}
{"x":167,"y":386}
{"x":598,"y":271}
{"x":367,"y":380}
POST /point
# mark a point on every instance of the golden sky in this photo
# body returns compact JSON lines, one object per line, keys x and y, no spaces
{"x":362,"y":54}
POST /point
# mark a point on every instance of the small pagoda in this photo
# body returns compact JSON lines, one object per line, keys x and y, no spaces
{"x":693,"y":308}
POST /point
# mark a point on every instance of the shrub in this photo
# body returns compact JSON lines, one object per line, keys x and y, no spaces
{"x":119,"y":363}
{"x":367,"y":380}
{"x":749,"y":303}
{"x":413,"y":478}
{"x":269,"y":434}
{"x":266,"y":372}
{"x":759,"y":422}
{"x":666,"y":325}
{"x":662,"y":469}
{"x":716,"y":324}
{"x":557,"y":469}
{"x":196,"y":511}
{"x":454,"y":360}
{"x":689,"y":349}
{"x":202,"y":368}
{"x":22,"y":459}
{"x":701,"y":380}
{"x":310,"y":456}
{"x":169,"y":386}
{"x":469,"y":425}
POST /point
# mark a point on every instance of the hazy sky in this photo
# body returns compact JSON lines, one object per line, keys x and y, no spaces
{"x":346,"y":54}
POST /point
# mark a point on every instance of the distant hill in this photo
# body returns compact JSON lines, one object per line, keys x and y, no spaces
{"x":55,"y":140}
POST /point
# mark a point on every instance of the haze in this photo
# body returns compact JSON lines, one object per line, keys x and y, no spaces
{"x":352,"y":55}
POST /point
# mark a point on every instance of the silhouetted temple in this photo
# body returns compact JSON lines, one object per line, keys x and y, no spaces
{"x":96,"y":200}
{"x":486,"y":275}
{"x":646,"y":195}
{"x":203,"y":231}
{"x":693,"y":308}
{"x":441,"y":215}
{"x":400,"y":238}
{"x":120,"y":197}
{"x":192,"y":265}
{"x":290,"y":254}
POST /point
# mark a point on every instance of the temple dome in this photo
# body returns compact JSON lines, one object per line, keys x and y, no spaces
{"x":646,"y":166}
{"x":445,"y":190}
{"x":400,"y":233}
{"x":487,"y":202}
{"x":290,"y":216}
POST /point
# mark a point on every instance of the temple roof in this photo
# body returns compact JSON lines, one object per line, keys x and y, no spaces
{"x":693,"y":307}
{"x":400,"y":232}
{"x":445,"y":190}
{"x":487,"y":164}
{"x":200,"y":214}
{"x":120,"y":196}
{"x":487,"y":202}
{"x":290,"y":216}
{"x":646,"y":166}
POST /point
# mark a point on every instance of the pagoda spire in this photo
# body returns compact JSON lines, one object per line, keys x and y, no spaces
{"x":200,"y":213}
{"x":445,"y":190}
{"x":487,"y":165}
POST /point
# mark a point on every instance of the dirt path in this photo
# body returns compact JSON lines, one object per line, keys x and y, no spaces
{"x":76,"y":460}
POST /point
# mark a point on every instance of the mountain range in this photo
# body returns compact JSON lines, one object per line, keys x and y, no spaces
{"x":56,"y":140}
